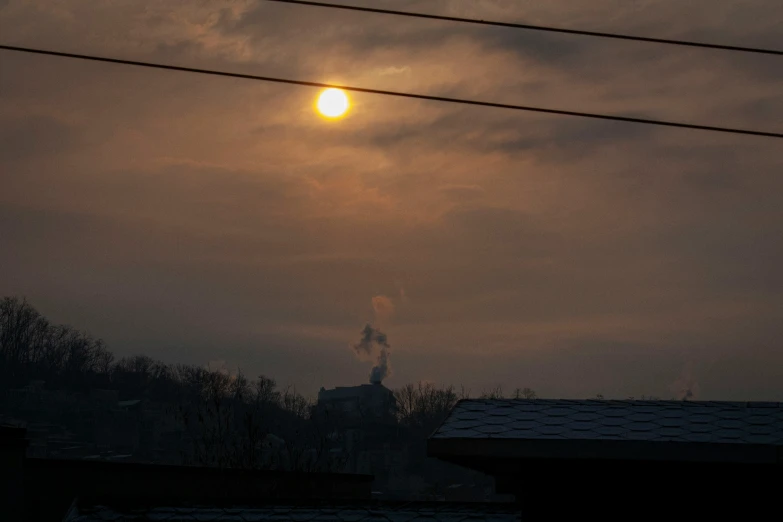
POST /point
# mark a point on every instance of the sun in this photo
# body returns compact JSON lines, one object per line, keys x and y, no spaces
{"x":333,"y":103}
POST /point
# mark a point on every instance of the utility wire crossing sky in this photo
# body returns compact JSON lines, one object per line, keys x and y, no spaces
{"x":511,"y":25}
{"x":560,"y":112}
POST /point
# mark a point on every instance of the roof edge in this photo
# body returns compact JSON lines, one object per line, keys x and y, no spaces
{"x":452,"y":449}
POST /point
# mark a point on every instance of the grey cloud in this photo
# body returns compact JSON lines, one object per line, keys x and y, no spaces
{"x":494,"y":226}
{"x":767,"y":109}
{"x":27,"y":137}
{"x":561,"y":137}
{"x":729,"y":258}
{"x":548,"y":49}
{"x":367,"y":34}
{"x":570,"y":138}
{"x":635,"y":368}
{"x":175,"y":269}
{"x":759,"y":68}
{"x":615,"y":367}
{"x":462,"y":193}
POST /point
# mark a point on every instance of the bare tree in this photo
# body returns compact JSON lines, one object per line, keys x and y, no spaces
{"x":493,"y":393}
{"x":103,"y":359}
{"x":266,"y":390}
{"x":295,"y":402}
{"x":424,"y":406}
{"x":33,"y":348}
{"x":208,"y":415}
{"x":21,"y":333}
{"x":234,"y":423}
{"x":524,"y":393}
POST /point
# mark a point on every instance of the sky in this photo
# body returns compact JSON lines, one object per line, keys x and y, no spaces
{"x":210,"y":220}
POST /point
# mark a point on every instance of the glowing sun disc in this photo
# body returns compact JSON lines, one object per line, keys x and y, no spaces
{"x":332,"y":103}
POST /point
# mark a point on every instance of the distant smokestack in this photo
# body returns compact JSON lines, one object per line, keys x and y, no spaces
{"x":382,"y":368}
{"x":372,"y":337}
{"x":686,"y":387}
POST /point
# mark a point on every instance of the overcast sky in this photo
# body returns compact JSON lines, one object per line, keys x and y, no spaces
{"x":199,"y":219}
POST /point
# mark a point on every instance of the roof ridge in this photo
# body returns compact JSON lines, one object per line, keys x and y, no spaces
{"x":766,"y":404}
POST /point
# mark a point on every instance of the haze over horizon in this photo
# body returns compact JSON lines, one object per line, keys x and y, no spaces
{"x":197,"y":219}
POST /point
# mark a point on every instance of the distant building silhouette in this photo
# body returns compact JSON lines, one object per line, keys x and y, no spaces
{"x":353,"y":404}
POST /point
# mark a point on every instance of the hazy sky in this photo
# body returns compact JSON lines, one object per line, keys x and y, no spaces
{"x":198,"y":219}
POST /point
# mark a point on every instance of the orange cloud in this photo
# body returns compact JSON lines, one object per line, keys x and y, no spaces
{"x":383,"y":307}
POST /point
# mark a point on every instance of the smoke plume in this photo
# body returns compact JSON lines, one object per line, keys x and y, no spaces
{"x":686,"y":387}
{"x":383,"y":308}
{"x":372,"y":341}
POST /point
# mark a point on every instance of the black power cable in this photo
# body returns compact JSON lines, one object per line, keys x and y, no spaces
{"x":530,"y":27}
{"x":561,"y":112}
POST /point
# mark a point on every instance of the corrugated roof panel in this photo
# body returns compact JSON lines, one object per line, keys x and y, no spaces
{"x":698,"y":421}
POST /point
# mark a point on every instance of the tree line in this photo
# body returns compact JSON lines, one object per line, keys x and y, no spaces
{"x":230,"y":420}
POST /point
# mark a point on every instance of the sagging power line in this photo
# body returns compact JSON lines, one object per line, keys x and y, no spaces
{"x":531,"y":27}
{"x":462,"y":101}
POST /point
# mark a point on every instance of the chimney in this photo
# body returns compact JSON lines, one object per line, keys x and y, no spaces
{"x":13,"y":447}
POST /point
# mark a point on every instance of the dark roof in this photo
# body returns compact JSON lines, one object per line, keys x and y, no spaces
{"x":682,"y":421}
{"x":744,"y":431}
{"x":403,"y":512}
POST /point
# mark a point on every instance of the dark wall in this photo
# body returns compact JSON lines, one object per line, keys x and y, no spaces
{"x":51,"y":485}
{"x":12,"y":459}
{"x":551,"y":487}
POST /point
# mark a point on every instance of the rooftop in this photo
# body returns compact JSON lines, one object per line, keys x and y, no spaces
{"x":628,"y":429}
{"x":670,"y":421}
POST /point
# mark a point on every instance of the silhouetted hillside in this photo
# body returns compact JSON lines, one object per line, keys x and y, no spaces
{"x":79,"y":402}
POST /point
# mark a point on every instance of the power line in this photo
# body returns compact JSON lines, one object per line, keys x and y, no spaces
{"x":560,"y":112}
{"x":511,"y":25}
